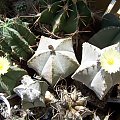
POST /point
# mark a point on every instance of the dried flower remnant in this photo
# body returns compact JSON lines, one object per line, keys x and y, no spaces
{"x":69,"y":105}
{"x":96,"y":117}
{"x":49,"y":97}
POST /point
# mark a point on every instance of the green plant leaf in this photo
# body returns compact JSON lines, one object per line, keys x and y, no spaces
{"x":5,"y":47}
{"x":9,"y":80}
{"x":16,"y":38}
{"x":23,"y":30}
{"x":106,"y":37}
{"x":110,"y":20}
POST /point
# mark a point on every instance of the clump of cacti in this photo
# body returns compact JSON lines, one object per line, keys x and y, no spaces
{"x":16,"y":39}
{"x":64,"y":15}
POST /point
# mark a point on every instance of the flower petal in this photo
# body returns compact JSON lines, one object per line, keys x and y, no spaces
{"x":4,"y":65}
{"x":110,"y":60}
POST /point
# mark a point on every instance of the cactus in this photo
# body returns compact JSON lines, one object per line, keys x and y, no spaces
{"x":106,"y":37}
{"x":110,"y":20}
{"x":20,"y":7}
{"x":97,"y":70}
{"x":64,"y":15}
{"x":32,"y":92}
{"x":16,"y":38}
{"x":9,"y":80}
{"x":109,"y":33}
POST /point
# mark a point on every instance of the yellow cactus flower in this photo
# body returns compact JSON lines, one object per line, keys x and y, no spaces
{"x":110,"y":60}
{"x":4,"y":65}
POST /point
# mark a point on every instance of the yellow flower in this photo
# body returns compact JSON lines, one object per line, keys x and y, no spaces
{"x":110,"y":60}
{"x":4,"y":65}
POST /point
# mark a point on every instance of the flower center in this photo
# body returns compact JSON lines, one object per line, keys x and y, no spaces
{"x":52,"y":49}
{"x":4,"y":65}
{"x":110,"y":61}
{"x":1,"y":67}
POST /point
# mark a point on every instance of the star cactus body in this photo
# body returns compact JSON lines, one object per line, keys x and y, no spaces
{"x":54,"y":59}
{"x":31,"y":92}
{"x":99,"y":69}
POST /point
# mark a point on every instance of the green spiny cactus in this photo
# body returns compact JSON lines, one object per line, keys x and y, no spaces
{"x":16,"y":38}
{"x":64,"y":15}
